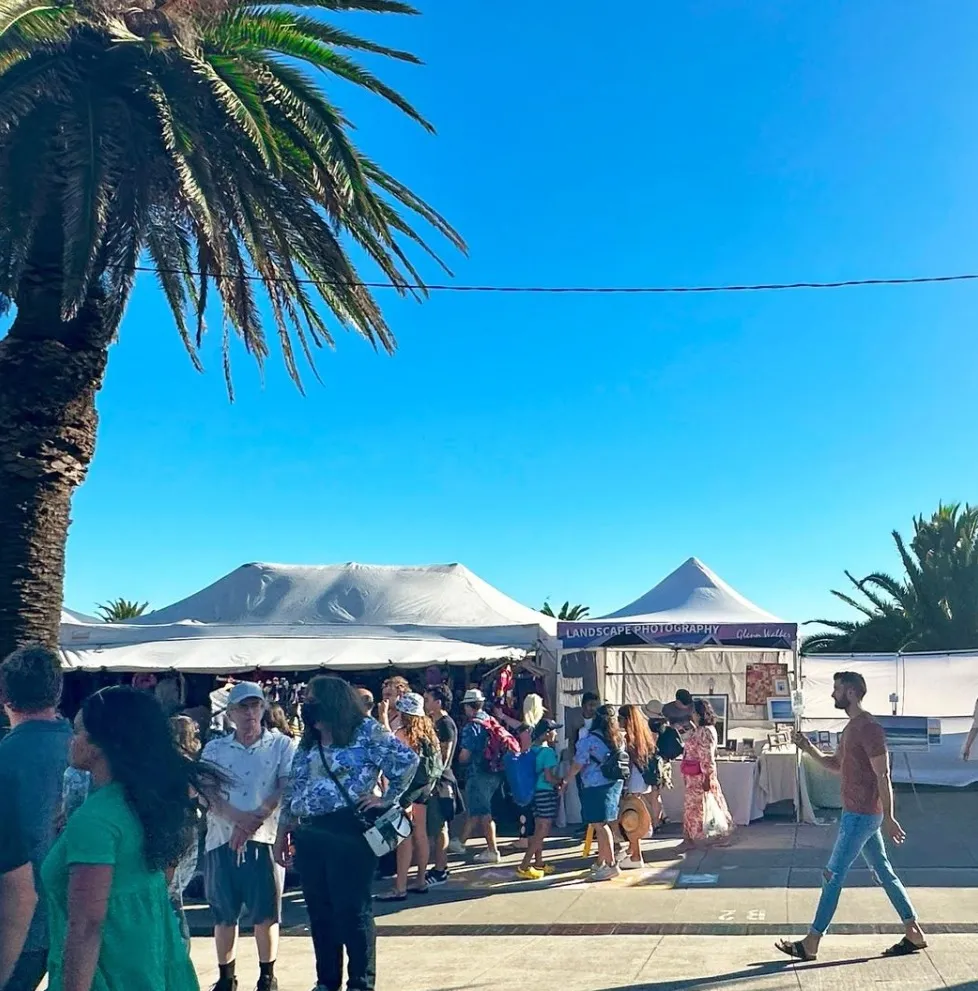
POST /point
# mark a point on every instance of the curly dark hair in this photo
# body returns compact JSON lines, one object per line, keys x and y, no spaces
{"x":134,"y":735}
{"x":705,"y":711}
{"x":332,"y":701}
{"x":442,"y":693}
{"x":31,"y":679}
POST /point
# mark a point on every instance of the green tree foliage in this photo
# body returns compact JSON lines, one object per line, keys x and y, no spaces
{"x":933,"y":605}
{"x":119,"y":610}
{"x":567,"y":612}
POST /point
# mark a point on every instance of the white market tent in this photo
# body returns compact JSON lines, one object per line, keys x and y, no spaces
{"x":348,"y":617}
{"x":938,"y":685}
{"x":694,"y":631}
{"x":691,"y":631}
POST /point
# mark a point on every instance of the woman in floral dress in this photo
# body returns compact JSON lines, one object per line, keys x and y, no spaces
{"x":699,"y":770}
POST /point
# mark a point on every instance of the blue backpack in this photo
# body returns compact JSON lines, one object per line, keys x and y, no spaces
{"x":521,"y":776}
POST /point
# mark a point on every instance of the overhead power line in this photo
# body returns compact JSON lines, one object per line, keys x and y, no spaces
{"x":600,"y":290}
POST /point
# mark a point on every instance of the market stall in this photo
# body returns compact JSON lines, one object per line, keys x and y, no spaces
{"x":691,"y":631}
{"x":349,"y":617}
{"x":941,"y":686}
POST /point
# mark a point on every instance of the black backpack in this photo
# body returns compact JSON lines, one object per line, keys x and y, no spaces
{"x":670,"y":746}
{"x":616,"y":766}
{"x":652,"y":772}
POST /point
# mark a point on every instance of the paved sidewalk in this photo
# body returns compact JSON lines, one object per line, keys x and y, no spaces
{"x":625,"y":963}
{"x":767,"y":882}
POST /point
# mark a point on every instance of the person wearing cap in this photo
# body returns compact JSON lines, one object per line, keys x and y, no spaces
{"x":242,"y":826}
{"x":546,"y":799}
{"x":417,"y":732}
{"x":481,"y":784}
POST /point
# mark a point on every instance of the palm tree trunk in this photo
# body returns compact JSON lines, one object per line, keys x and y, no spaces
{"x":50,"y":372}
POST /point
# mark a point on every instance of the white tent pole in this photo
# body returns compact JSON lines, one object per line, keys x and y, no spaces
{"x":799,"y":770}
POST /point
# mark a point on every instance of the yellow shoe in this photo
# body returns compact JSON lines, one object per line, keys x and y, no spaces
{"x":529,"y":874}
{"x":546,"y":870}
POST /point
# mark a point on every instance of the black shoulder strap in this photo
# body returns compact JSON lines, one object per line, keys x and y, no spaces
{"x":336,"y":781}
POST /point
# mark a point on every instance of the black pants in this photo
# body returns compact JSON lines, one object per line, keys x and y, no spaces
{"x":337,"y":870}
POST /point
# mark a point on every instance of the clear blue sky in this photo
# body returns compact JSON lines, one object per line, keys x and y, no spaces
{"x":583,"y":447}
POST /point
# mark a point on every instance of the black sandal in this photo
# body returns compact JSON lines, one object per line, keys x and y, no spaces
{"x":796,"y":951}
{"x":904,"y":948}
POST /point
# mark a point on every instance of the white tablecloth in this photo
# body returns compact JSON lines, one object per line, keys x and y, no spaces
{"x":737,"y":778}
{"x":777,"y":778}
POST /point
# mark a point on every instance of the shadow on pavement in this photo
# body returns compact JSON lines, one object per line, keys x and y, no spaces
{"x":750,"y":973}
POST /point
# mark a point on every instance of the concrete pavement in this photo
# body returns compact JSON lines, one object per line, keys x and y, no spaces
{"x":624,"y":963}
{"x":705,"y":921}
{"x":767,"y":882}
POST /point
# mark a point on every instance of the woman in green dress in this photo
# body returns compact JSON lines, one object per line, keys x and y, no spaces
{"x":111,"y":924}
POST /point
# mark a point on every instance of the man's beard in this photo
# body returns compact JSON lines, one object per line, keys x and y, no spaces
{"x":843,"y":704}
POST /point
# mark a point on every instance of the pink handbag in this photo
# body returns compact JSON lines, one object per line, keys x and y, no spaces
{"x":690,"y":768}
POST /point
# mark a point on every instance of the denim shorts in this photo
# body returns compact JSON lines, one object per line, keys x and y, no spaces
{"x":479,"y":791}
{"x":600,"y":804}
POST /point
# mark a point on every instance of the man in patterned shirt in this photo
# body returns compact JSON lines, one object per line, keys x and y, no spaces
{"x":242,"y":826}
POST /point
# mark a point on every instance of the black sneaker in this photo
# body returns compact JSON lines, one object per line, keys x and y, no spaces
{"x":436,"y":878}
{"x":226,"y":984}
{"x":269,"y":983}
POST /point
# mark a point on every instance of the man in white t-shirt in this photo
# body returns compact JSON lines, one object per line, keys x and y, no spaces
{"x":242,"y":825}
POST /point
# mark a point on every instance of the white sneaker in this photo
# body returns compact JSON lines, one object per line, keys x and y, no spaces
{"x":487,"y":857}
{"x":631,"y":865}
{"x":456,"y":846}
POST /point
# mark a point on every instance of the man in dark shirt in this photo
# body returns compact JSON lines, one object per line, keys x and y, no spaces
{"x":867,"y":813}
{"x":17,"y":896}
{"x":441,"y":805}
{"x":33,"y":758}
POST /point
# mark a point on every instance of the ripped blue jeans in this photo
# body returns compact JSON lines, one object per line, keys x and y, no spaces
{"x":859,"y":834}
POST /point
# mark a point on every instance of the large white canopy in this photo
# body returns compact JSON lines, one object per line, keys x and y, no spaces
{"x":335,"y":616}
{"x":692,"y":594}
{"x":943,"y":686}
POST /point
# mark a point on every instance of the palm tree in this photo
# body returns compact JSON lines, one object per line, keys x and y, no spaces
{"x":187,"y":137}
{"x":933,"y":607}
{"x":567,"y":613}
{"x":119,"y":610}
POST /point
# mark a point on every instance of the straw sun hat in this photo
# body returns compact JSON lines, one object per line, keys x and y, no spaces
{"x":633,"y":817}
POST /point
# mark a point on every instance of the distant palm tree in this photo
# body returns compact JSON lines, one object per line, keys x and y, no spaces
{"x":119,"y":610}
{"x":567,"y":613}
{"x":933,"y":607}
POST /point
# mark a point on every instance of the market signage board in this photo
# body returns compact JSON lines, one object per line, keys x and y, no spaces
{"x":598,"y":632}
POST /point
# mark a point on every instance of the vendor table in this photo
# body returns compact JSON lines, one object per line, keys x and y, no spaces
{"x":749,"y":786}
{"x":737,"y":778}
{"x":777,"y":778}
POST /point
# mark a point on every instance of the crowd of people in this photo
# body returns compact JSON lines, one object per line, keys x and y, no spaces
{"x":109,"y":814}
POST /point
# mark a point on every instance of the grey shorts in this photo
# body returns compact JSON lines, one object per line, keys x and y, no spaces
{"x":251,"y":887}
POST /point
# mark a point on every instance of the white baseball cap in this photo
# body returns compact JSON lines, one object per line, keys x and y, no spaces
{"x":243,"y":691}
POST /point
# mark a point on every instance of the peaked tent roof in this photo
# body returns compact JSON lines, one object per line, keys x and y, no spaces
{"x":340,"y":616}
{"x":71,"y":616}
{"x":693,"y":594}
{"x":443,"y":596}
